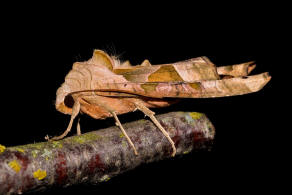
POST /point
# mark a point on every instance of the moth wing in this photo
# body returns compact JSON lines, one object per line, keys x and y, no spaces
{"x":200,"y":89}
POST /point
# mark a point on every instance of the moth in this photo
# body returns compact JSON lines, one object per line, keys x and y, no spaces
{"x":104,"y":87}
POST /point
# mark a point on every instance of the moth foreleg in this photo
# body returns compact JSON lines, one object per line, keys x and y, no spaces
{"x":150,"y":114}
{"x":124,"y":132}
{"x":75,"y":111}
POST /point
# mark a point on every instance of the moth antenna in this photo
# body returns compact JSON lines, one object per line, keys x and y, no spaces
{"x":119,"y":56}
{"x":53,"y":102}
{"x":111,"y":49}
{"x":78,"y":57}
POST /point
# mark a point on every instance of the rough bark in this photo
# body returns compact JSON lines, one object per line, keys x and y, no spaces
{"x":99,"y":155}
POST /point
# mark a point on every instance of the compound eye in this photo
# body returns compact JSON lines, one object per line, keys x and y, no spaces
{"x":69,"y":101}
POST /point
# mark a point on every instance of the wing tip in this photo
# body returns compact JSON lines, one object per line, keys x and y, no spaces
{"x":257,"y":82}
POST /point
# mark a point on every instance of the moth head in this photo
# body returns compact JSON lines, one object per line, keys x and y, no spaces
{"x":77,"y":79}
{"x":64,"y":101}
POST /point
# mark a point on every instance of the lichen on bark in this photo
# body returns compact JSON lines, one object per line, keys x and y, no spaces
{"x":100,"y":155}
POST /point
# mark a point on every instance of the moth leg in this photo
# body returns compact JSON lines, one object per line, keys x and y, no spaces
{"x":75,"y":111}
{"x":124,"y":132}
{"x":150,"y":114}
{"x":78,"y":127}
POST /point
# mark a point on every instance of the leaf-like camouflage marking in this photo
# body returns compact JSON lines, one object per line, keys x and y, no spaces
{"x":237,"y":70}
{"x":102,"y":83}
{"x":192,"y":70}
{"x":166,"y":73}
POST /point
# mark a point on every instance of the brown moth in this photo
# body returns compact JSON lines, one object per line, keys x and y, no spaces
{"x":104,"y":87}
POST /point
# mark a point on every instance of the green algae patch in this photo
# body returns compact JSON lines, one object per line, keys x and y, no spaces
{"x":85,"y":138}
{"x":47,"y":154}
{"x":37,"y":146}
{"x":34,"y":153}
{"x":78,"y":139}
{"x":91,"y":136}
{"x":196,"y":115}
{"x":192,"y":117}
{"x":142,"y":121}
{"x":105,"y":178}
{"x":189,"y":119}
{"x":187,"y":151}
{"x":57,"y":144}
{"x":20,"y":150}
{"x":124,"y":144}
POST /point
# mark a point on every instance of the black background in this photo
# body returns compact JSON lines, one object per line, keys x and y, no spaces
{"x":39,"y":48}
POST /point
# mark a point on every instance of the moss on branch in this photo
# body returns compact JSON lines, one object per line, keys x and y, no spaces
{"x":100,"y":155}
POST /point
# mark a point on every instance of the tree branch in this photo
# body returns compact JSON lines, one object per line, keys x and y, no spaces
{"x":99,"y":155}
